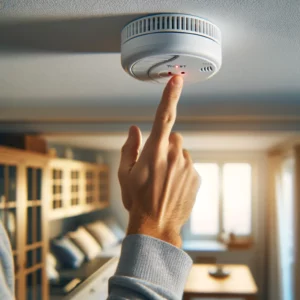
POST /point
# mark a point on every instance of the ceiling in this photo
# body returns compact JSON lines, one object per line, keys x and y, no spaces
{"x":205,"y":141}
{"x":261,"y":51}
{"x":60,"y":60}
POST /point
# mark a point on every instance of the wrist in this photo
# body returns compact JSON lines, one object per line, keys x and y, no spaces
{"x":155,"y":229}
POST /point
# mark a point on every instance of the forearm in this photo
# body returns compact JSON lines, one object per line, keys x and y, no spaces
{"x":149,"y":269}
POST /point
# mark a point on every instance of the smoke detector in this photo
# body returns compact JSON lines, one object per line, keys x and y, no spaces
{"x":156,"y":47}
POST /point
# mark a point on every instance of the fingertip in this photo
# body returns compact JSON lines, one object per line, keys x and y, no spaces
{"x":133,"y":130}
{"x":177,"y":81}
{"x":135,"y":135}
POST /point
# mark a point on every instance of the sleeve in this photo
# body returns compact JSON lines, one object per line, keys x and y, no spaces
{"x":6,"y":267}
{"x":149,"y":269}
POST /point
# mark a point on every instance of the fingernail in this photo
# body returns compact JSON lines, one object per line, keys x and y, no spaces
{"x":177,"y":81}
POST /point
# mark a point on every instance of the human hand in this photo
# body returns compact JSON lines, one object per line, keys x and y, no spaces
{"x":159,"y":187}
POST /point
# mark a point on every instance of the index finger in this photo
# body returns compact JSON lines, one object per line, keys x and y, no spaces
{"x":166,"y":112}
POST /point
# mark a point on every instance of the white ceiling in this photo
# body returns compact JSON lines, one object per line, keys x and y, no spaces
{"x":261,"y":53}
{"x":191,"y":141}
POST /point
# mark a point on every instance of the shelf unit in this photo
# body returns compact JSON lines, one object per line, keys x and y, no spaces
{"x":77,"y":187}
{"x":34,"y":189}
{"x":23,"y":193}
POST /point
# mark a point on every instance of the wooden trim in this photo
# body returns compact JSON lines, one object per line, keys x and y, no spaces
{"x":34,"y":203}
{"x":19,"y":155}
{"x":34,"y":246}
{"x":76,"y":210}
{"x":11,"y":204}
{"x":21,"y":227}
{"x":46,"y":196}
{"x":60,"y":163}
{"x":33,"y":268}
{"x":144,"y":115}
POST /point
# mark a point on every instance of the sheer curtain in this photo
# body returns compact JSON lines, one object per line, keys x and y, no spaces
{"x":274,"y":278}
{"x":281,"y":227}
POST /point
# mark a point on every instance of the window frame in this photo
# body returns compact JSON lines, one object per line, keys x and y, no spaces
{"x":221,"y":160}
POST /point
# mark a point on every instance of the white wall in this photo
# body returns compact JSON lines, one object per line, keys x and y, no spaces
{"x":255,"y":257}
{"x":113,"y":158}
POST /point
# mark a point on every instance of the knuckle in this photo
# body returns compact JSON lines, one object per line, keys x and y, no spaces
{"x":190,"y":167}
{"x":187,"y":156}
{"x":166,"y":116}
{"x":173,"y":156}
{"x":177,"y":137}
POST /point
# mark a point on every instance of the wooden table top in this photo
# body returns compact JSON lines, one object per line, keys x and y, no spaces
{"x":240,"y":281}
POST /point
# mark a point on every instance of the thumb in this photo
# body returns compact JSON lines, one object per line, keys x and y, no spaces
{"x":130,"y":150}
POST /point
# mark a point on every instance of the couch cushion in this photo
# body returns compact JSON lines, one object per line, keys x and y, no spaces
{"x":87,"y":244}
{"x":115,"y":228}
{"x":104,"y":236}
{"x":68,"y":254}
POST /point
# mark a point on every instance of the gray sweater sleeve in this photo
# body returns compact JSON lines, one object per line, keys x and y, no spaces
{"x":149,"y":269}
{"x":6,"y":267}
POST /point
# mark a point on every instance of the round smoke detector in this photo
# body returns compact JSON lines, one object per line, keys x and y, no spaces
{"x":156,"y":47}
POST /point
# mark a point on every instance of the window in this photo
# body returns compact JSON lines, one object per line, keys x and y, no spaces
{"x":224,"y":200}
{"x":205,"y":216}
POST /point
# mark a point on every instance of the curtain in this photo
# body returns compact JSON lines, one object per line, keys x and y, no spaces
{"x":273,"y":234}
{"x":283,"y":236}
{"x":297,"y":224}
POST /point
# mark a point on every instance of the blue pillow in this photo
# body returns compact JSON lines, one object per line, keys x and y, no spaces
{"x":68,"y":254}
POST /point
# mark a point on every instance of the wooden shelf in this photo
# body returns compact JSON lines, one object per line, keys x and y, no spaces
{"x":25,"y":178}
{"x":34,"y":246}
{"x":76,"y":210}
{"x":11,"y":204}
{"x":32,"y":203}
{"x":84,"y":188}
{"x":33,"y":268}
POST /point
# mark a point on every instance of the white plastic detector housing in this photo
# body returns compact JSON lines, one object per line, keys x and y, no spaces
{"x":156,"y":47}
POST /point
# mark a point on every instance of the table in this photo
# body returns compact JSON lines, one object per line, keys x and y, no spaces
{"x":239,"y":284}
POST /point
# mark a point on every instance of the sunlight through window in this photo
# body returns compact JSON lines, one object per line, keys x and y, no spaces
{"x":237,"y":198}
{"x":224,"y":199}
{"x":205,"y":216}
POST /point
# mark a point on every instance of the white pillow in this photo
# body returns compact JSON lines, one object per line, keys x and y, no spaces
{"x":85,"y":242}
{"x":51,"y":271}
{"x":51,"y":260}
{"x":104,"y":236}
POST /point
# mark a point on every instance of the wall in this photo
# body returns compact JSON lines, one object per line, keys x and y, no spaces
{"x":112,"y":159}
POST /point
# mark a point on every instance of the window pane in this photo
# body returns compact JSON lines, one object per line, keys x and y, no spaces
{"x":29,"y":183}
{"x":12,"y":172}
{"x":30,"y":225}
{"x":237,"y":198}
{"x":205,"y":214}
{"x":38,"y":223}
{"x":39,"y":184}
